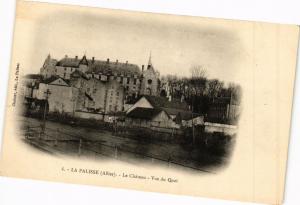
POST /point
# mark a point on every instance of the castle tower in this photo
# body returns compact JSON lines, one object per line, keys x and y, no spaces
{"x":150,"y":80}
{"x":48,"y":68}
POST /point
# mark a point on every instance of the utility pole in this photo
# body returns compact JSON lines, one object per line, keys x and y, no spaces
{"x":47,"y":93}
{"x":193,"y":129}
{"x":115,"y":121}
{"x":74,"y":103}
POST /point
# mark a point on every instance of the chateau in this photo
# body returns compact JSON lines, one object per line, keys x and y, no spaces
{"x":100,"y":89}
{"x":135,"y":81}
{"x":92,"y":85}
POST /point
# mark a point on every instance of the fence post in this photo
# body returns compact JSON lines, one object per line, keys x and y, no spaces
{"x":56,"y":137}
{"x":116,"y":152}
{"x":79,"y":147}
{"x":27,"y":133}
{"x":40,"y":133}
{"x":169,"y":161}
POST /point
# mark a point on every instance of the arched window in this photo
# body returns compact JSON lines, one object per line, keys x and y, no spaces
{"x":163,"y":93}
{"x":148,"y":91}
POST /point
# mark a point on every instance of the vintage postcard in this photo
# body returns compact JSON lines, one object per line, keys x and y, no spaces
{"x":151,"y":102}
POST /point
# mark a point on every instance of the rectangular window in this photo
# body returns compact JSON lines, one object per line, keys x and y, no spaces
{"x":128,"y":80}
{"x":118,"y":93}
{"x":134,"y":81}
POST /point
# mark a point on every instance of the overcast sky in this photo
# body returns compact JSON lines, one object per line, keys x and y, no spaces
{"x":176,"y":43}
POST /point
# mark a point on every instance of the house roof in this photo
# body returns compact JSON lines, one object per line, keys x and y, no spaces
{"x":79,"y":74}
{"x":52,"y":79}
{"x":69,"y":62}
{"x":144,"y":113}
{"x":112,"y":67}
{"x":161,"y":102}
{"x":98,"y":66}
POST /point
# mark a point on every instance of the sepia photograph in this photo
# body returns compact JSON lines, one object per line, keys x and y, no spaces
{"x":151,"y":102}
{"x":122,"y":89}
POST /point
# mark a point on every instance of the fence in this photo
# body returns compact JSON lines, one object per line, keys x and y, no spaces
{"x":57,"y":141}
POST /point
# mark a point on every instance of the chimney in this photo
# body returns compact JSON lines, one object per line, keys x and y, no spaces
{"x":93,"y":59}
{"x":143,"y":67}
{"x":117,"y":61}
{"x":126,"y":62}
{"x":66,"y":56}
{"x":107,"y":61}
{"x":76,"y":57}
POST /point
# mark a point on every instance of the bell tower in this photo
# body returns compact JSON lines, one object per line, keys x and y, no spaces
{"x":150,"y":79}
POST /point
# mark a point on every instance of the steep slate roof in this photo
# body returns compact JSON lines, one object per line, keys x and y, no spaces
{"x":161,"y":102}
{"x":98,"y":66}
{"x":144,"y":113}
{"x":112,"y":67}
{"x":53,"y":78}
{"x":79,"y":74}
{"x":69,"y":62}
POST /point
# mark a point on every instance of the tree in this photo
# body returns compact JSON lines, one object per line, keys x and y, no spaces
{"x":214,"y":88}
{"x":198,"y":80}
{"x":198,"y":72}
{"x":235,"y":93}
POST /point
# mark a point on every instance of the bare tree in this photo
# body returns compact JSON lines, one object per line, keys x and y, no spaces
{"x":198,"y":72}
{"x":198,"y":80}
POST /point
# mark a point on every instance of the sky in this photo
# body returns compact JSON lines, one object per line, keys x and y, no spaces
{"x":176,"y":43}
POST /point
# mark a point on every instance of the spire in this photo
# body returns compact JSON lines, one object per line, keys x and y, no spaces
{"x":149,"y":61}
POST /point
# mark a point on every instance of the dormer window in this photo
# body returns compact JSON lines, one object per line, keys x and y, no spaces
{"x":149,"y":81}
